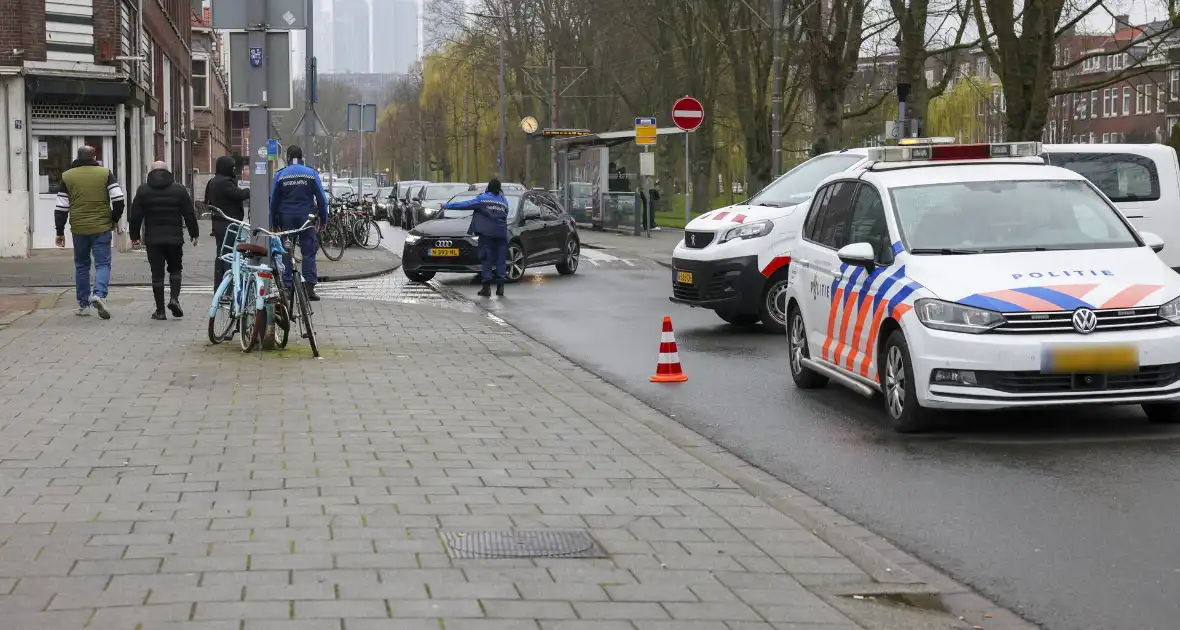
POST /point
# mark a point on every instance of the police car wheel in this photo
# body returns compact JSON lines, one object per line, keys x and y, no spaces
{"x":897,"y":385}
{"x":418,"y":276}
{"x":773,"y":310}
{"x":1162,"y":413}
{"x":797,"y":348}
{"x":738,"y":319}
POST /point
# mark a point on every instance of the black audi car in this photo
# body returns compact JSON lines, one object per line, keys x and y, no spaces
{"x":540,"y":233}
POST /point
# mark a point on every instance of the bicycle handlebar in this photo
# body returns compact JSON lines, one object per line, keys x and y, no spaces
{"x":255,"y":230}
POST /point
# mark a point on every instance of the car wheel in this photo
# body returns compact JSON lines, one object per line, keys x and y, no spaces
{"x":773,"y":310}
{"x":569,"y":262}
{"x":418,"y":276}
{"x":897,"y":382}
{"x":515,"y":263}
{"x":804,"y":377}
{"x":1162,"y":413}
{"x":738,"y":319}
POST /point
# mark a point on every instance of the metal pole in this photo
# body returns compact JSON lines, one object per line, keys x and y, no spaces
{"x":309,"y":79}
{"x":259,"y":118}
{"x":500,"y":159}
{"x":360,"y":161}
{"x":687,"y":183}
{"x":776,"y":95}
{"x":553,"y":118}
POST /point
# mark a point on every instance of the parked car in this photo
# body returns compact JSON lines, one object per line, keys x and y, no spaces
{"x":431,"y":198}
{"x":540,"y":233}
{"x":407,"y":200}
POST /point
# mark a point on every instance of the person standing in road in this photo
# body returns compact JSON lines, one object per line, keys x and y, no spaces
{"x":223,"y":192}
{"x":294,"y":195}
{"x":163,"y":208}
{"x":489,"y":220}
{"x":91,"y":201}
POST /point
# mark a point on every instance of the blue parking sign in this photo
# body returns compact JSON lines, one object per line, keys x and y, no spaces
{"x":256,"y":56}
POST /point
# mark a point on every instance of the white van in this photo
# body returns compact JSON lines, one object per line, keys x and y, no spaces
{"x":1143,"y":181}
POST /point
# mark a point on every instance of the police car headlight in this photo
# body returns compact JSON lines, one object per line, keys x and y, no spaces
{"x":1171,"y":311}
{"x":941,"y":315}
{"x":747,"y":231}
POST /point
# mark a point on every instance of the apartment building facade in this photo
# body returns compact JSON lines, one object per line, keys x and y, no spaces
{"x":113,"y":74}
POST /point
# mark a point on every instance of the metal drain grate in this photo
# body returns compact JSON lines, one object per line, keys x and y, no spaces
{"x":542,"y":543}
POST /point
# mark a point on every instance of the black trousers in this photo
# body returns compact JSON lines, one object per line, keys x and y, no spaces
{"x":219,"y":265}
{"x":165,"y":258}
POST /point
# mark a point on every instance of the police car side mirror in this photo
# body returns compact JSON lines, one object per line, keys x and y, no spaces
{"x":1153,"y":241}
{"x":858,"y":255}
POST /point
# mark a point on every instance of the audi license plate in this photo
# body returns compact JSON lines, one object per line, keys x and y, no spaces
{"x":444,"y":251}
{"x":1089,"y":359}
{"x":684,"y":277}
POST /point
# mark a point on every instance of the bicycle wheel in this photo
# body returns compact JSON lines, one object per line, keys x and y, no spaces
{"x":248,"y":321}
{"x":304,"y":306}
{"x":222,"y":323}
{"x":332,"y":241}
{"x":282,"y":323}
{"x":369,"y":233}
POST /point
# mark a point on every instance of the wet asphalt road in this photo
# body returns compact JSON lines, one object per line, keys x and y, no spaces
{"x":1070,"y":519}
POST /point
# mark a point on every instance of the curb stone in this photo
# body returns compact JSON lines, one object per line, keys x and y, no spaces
{"x":337,"y":278}
{"x":896,"y":575}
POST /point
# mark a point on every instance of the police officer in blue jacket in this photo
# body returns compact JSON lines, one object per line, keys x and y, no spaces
{"x":489,"y":220}
{"x":294,"y":195}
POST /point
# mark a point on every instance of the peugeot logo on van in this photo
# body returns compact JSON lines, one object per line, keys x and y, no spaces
{"x":1085,"y":321}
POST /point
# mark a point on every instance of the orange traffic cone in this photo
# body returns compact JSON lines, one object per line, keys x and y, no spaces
{"x":668,"y":368}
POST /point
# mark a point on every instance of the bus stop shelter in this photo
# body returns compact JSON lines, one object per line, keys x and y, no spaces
{"x":584,"y":180}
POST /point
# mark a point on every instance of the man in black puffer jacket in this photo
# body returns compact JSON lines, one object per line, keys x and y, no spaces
{"x":223,"y":192}
{"x":163,"y":208}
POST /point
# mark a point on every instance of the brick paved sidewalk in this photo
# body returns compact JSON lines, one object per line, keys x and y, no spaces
{"x":55,"y":268}
{"x":149,"y":481}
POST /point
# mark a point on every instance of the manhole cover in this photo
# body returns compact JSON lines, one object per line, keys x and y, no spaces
{"x":544,"y":543}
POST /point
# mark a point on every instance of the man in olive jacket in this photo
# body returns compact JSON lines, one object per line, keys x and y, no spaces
{"x":91,"y":201}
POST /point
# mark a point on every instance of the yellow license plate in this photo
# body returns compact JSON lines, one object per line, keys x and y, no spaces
{"x":1090,"y":359}
{"x":684,"y":277}
{"x":444,"y":251}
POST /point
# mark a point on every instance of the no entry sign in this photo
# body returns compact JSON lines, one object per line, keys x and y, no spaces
{"x":688,"y":113}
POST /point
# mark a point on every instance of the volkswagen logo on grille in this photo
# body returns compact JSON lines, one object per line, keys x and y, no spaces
{"x":443,"y":243}
{"x":1085,"y":321}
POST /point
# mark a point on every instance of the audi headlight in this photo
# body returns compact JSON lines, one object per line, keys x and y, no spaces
{"x":747,"y":231}
{"x":1171,"y":311}
{"x":941,"y":315}
{"x":412,"y":238}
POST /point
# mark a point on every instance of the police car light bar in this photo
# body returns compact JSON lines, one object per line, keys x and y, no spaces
{"x":934,"y":140}
{"x":936,"y":153}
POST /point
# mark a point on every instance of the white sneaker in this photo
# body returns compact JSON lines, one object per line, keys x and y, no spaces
{"x":83,"y":311}
{"x":100,"y":305}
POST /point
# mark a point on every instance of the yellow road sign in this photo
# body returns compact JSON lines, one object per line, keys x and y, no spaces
{"x":645,"y":131}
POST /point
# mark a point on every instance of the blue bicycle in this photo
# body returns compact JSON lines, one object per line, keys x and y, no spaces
{"x":249,"y":300}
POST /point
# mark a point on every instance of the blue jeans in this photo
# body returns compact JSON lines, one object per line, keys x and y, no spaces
{"x":494,"y":251}
{"x":307,"y":248}
{"x":100,"y":246}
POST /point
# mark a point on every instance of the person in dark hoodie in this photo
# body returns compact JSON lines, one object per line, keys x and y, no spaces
{"x":489,"y":220}
{"x":163,"y":208}
{"x":224,"y":193}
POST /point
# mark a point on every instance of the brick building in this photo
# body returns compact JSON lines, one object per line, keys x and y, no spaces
{"x":211,"y":135}
{"x":114,"y":74}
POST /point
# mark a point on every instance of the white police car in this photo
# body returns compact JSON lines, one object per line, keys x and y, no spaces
{"x":735,"y":260}
{"x":980,"y":277}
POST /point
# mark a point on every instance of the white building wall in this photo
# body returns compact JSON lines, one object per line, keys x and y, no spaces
{"x":14,"y":169}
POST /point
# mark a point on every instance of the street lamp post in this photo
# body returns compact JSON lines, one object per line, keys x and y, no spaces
{"x":500,"y":21}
